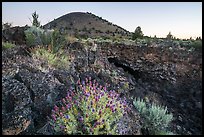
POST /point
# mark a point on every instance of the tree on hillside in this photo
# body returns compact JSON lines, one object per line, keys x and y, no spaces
{"x":169,"y":36}
{"x":198,"y":38}
{"x":35,"y":19}
{"x":138,"y":33}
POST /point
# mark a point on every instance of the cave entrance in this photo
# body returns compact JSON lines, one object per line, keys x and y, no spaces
{"x":118,"y":63}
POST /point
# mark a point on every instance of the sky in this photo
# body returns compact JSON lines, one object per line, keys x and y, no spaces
{"x":182,"y":19}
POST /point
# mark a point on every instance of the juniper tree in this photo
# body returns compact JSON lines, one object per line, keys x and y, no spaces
{"x":35,"y":19}
{"x":138,"y":33}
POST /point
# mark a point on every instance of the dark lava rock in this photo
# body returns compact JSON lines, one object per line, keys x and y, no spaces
{"x":14,"y":34}
{"x":44,"y":90}
{"x":16,"y":107}
{"x":41,"y":87}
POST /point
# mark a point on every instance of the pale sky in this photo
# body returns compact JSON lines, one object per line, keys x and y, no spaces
{"x":183,"y":19}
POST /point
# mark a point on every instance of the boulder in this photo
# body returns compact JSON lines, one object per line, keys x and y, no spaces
{"x":15,"y":35}
{"x":16,"y":107}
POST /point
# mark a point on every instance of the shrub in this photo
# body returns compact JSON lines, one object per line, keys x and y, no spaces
{"x":197,"y":44}
{"x":89,"y":109}
{"x":36,"y":36}
{"x":57,"y":41}
{"x":33,"y":36}
{"x":71,"y":39}
{"x":46,"y":37}
{"x":128,"y":42}
{"x":58,"y":60}
{"x":7,"y":45}
{"x":30,"y":39}
{"x":155,"y":118}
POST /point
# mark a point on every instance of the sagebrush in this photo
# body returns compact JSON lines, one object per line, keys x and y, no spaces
{"x":156,"y":118}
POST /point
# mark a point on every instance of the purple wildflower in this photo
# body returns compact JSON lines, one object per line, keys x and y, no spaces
{"x":81,"y":119}
{"x":67,"y":98}
{"x":67,"y":116}
{"x":83,"y":83}
{"x":56,"y":108}
{"x":61,"y":114}
{"x":102,"y":94}
{"x":104,"y":88}
{"x":96,"y":84}
{"x":78,"y":82}
{"x":75,"y":102}
{"x":94,"y":87}
{"x":88,"y":94}
{"x":61,"y":126}
{"x":100,"y":112}
{"x":90,"y":83}
{"x":96,"y":98}
{"x":72,"y":93}
{"x":54,"y":117}
{"x":83,"y":129}
{"x":91,"y":129}
{"x":53,"y":111}
{"x":63,"y":109}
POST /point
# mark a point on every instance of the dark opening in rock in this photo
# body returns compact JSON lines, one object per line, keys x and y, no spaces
{"x":136,"y":74}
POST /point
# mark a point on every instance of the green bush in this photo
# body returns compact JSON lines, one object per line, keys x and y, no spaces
{"x":58,"y":60}
{"x":88,"y":109}
{"x":30,"y":39}
{"x":197,"y":44}
{"x":57,"y":42}
{"x":7,"y":45}
{"x":33,"y":36}
{"x":156,"y":119}
{"x":37,"y":36}
{"x":46,"y":38}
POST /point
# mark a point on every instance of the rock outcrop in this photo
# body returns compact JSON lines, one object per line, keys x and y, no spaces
{"x":15,"y":35}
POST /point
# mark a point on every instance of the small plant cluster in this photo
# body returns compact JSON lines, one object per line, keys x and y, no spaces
{"x":58,"y":60}
{"x":7,"y":45}
{"x":88,"y":109}
{"x":156,"y":119}
{"x":114,"y":40}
